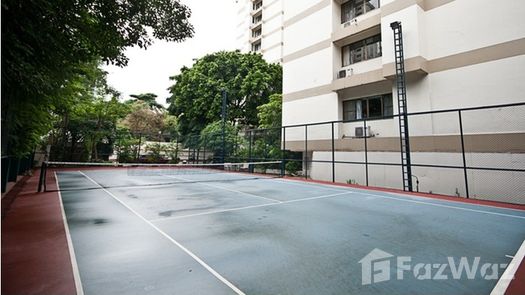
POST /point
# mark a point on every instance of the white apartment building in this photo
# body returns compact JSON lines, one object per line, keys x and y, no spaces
{"x":260,"y":28}
{"x":338,"y":64}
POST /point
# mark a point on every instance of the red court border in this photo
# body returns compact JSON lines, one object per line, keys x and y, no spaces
{"x":35,"y":252}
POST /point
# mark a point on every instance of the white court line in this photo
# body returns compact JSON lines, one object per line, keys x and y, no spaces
{"x":459,"y":202}
{"x":195,"y":257}
{"x":72,"y":256}
{"x":250,"y":207}
{"x":444,"y":206}
{"x":224,"y":188}
{"x":303,"y":184}
{"x":508,"y":275}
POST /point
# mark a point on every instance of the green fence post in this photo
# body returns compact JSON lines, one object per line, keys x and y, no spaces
{"x":14,"y":163}
{"x":5,"y":172}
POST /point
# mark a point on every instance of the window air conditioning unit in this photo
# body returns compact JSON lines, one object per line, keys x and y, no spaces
{"x":341,"y":74}
{"x":350,"y":22}
{"x":360,"y":132}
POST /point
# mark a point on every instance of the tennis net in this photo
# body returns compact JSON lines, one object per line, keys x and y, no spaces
{"x":146,"y":174}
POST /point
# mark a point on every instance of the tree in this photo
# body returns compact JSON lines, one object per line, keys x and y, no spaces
{"x":142,"y":120}
{"x":125,"y":144}
{"x":86,"y":116}
{"x":171,"y":126}
{"x":99,"y":123}
{"x":196,"y":96}
{"x":211,"y":138}
{"x":149,"y":99}
{"x":45,"y":43}
{"x":270,"y":114}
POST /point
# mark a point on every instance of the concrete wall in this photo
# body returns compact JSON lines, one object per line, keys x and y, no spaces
{"x":486,"y":185}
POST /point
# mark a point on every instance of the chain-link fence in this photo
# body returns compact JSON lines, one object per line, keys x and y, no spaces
{"x":472,"y":152}
{"x":13,"y":166}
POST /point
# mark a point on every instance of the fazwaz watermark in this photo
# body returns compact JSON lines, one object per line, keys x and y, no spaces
{"x":380,"y":266}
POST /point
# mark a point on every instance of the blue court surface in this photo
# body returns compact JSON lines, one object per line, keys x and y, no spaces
{"x":190,"y":234}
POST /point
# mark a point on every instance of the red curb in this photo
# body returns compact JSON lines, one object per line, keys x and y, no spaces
{"x":35,"y":253}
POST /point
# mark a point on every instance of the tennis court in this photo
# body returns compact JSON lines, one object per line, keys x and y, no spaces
{"x":141,"y":230}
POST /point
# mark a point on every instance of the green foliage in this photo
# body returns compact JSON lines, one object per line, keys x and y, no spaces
{"x":351,"y":181}
{"x":85,"y":122}
{"x":149,"y":99}
{"x":171,"y":126}
{"x":211,"y":136}
{"x":172,"y":151}
{"x":270,"y":114}
{"x":267,"y":140}
{"x":292,"y":167}
{"x":156,"y":151}
{"x":51,"y":44}
{"x":196,"y":96}
{"x":266,"y":144}
{"x":125,"y":145}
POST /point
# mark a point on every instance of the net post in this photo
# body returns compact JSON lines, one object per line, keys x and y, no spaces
{"x":41,"y":179}
{"x":333,"y":152}
{"x":366,"y":150}
{"x":306,"y":151}
{"x":250,"y":147}
{"x":283,"y":152}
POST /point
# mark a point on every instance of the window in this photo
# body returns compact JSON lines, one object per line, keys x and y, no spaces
{"x":362,"y":50}
{"x":256,"y":46}
{"x":368,"y":107}
{"x":256,"y":33}
{"x":354,"y":8}
{"x":257,"y":5}
{"x":257,"y":19}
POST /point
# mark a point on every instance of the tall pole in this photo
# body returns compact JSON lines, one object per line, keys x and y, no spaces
{"x":223,"y":116}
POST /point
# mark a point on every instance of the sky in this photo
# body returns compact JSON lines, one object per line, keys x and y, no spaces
{"x":149,"y":70}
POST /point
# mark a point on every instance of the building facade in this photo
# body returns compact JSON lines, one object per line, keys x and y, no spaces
{"x":260,"y":28}
{"x":338,"y":64}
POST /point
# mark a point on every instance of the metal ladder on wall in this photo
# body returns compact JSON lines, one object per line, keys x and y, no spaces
{"x":402,"y":106}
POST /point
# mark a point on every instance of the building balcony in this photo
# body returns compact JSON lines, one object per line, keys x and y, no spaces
{"x":361,"y":27}
{"x":414,"y":66}
{"x":255,"y":39}
{"x":256,"y":25}
{"x":256,"y":11}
